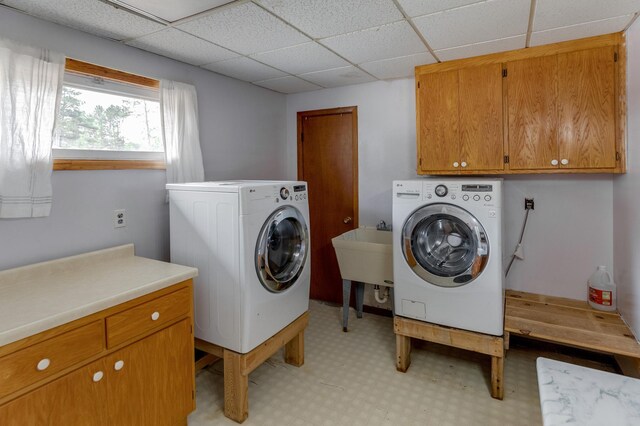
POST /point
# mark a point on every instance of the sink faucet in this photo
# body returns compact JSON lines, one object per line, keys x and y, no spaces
{"x":382,"y":226}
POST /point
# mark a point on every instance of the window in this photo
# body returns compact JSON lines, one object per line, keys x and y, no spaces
{"x":107,"y":120}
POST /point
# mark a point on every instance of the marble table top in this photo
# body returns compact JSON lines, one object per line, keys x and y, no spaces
{"x":41,"y":296}
{"x":571,"y":394}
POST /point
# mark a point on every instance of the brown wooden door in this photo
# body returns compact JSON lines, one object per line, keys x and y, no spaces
{"x":481,"y":126}
{"x":74,"y":399}
{"x":532,"y":100}
{"x":437,"y":122}
{"x":328,"y":161}
{"x":586,"y":99}
{"x":154,"y":385}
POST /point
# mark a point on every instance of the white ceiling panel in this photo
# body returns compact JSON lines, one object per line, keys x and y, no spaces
{"x":397,"y":67}
{"x":289,"y":84}
{"x":484,"y":48}
{"x":562,"y":13}
{"x":485,"y":21}
{"x":94,"y":17}
{"x":303,"y":58}
{"x":573,"y":32}
{"x":415,"y":8}
{"x":343,"y":76}
{"x":387,"y":41}
{"x":245,"y":69}
{"x":182,"y":46}
{"x":324,"y":18}
{"x":172,"y":10}
{"x":244,"y":28}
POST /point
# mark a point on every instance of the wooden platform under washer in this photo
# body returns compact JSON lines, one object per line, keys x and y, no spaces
{"x":569,"y":322}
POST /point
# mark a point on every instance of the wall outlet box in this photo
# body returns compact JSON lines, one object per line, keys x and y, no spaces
{"x":119,"y":218}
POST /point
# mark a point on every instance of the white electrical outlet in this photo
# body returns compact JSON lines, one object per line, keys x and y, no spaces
{"x":119,"y":218}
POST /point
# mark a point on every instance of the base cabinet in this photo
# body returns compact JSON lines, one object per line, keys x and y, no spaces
{"x":149,"y":380}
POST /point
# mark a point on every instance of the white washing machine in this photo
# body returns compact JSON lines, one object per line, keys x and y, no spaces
{"x":250,"y":243}
{"x":447,"y":252}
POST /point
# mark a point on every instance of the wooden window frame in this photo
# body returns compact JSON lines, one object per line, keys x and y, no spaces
{"x":93,"y":70}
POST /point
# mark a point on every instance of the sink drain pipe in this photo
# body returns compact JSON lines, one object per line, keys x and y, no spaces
{"x":376,"y":294}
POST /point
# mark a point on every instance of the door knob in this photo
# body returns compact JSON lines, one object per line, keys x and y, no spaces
{"x":554,"y":162}
{"x":347,"y":219}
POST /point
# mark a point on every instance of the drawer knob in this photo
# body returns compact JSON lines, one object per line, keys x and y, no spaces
{"x":118,"y":365}
{"x":564,"y":161}
{"x":464,"y":164}
{"x":456,"y":164}
{"x":155,"y":315}
{"x":97,"y":376}
{"x":554,"y":162}
{"x":43,"y":364}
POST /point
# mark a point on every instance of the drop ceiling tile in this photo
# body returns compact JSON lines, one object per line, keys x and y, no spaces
{"x":484,"y":48}
{"x":562,"y":13}
{"x":172,"y":10}
{"x":244,"y":28}
{"x":94,"y":17}
{"x":387,"y":41}
{"x":182,"y":46}
{"x":289,"y":84}
{"x":573,"y":32}
{"x":324,"y":18}
{"x":397,"y":67}
{"x":485,"y":21}
{"x":245,"y":69}
{"x":303,"y":58}
{"x":343,"y":76}
{"x":415,"y":8}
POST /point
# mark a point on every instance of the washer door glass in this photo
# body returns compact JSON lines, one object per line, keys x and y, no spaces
{"x":281,"y":249}
{"x":445,"y":245}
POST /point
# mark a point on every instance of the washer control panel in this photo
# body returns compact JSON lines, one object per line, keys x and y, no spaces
{"x":461,"y":193}
{"x":290,"y":193}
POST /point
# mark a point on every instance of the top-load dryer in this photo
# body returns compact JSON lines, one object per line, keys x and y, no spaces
{"x":447,"y":252}
{"x":250,"y":243}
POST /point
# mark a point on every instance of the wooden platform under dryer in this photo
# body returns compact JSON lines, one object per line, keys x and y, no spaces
{"x":237,"y":366}
{"x":407,"y":329}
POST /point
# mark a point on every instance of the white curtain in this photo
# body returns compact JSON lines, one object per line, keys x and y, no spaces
{"x":179,"y":111}
{"x":30,"y":91}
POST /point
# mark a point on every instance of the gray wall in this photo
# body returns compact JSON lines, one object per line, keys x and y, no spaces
{"x":569,"y":233}
{"x":242,"y":136}
{"x":626,"y":197}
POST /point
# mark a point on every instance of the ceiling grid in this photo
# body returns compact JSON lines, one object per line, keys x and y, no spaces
{"x":293,"y":46}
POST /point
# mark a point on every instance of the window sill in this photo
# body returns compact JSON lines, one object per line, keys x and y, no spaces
{"x":78,"y":164}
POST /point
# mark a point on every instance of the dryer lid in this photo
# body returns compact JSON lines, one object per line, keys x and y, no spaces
{"x":445,"y":245}
{"x":282,"y":249}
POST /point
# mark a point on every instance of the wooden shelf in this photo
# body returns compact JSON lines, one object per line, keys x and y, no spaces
{"x":569,"y":322}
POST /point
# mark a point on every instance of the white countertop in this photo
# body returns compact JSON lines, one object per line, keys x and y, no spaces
{"x":37,"y":297}
{"x":571,"y":394}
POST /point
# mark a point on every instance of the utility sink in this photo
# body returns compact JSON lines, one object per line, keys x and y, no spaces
{"x":365,"y":255}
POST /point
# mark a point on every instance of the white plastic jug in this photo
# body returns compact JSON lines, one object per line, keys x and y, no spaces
{"x":602,"y":290}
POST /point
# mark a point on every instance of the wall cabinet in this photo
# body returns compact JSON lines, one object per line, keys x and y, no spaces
{"x":550,"y":109}
{"x":148,"y":379}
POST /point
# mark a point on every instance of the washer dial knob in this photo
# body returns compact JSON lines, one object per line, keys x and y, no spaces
{"x":284,"y":193}
{"x":441,"y":190}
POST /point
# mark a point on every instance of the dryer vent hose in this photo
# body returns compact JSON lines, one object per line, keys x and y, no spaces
{"x":518,"y":251}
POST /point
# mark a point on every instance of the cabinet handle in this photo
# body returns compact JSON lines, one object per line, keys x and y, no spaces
{"x":97,"y":376}
{"x":118,"y":365}
{"x":43,"y":364}
{"x":456,"y":164}
{"x":564,"y":161}
{"x":554,"y":162}
{"x":155,"y":316}
{"x":464,"y":164}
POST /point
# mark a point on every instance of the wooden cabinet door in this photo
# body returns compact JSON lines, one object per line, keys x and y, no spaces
{"x":586,"y":102}
{"x":74,"y":399}
{"x":437,"y":127}
{"x":151,"y":382}
{"x":481,"y":126}
{"x":532,"y":92}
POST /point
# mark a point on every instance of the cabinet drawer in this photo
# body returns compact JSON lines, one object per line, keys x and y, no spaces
{"x":37,"y":362}
{"x":147,"y":316}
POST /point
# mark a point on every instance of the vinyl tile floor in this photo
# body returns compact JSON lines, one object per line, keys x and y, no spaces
{"x":350,"y":379}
